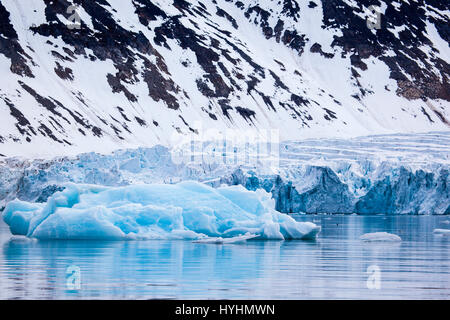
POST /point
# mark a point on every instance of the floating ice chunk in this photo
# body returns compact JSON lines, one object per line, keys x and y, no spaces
{"x":21,"y":239}
{"x":445,"y":232}
{"x":220,"y":240}
{"x":187,"y":210}
{"x":380,"y":236}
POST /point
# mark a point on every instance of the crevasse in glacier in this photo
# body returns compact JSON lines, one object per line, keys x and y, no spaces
{"x":187,"y":210}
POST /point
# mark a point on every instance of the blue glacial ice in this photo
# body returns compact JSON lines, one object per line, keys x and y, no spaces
{"x":187,"y":210}
{"x":393,"y":174}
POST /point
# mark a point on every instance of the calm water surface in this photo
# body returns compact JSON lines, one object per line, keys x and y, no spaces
{"x":332,"y":267}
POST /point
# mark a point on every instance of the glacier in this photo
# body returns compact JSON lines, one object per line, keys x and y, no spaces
{"x":187,"y":210}
{"x":389,"y":174}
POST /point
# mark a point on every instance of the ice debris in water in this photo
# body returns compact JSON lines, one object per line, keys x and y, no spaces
{"x":20,"y":238}
{"x":187,"y":210}
{"x":445,"y":232}
{"x":220,"y":240}
{"x":380,"y":236}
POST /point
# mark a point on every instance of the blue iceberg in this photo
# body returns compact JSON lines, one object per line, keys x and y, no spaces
{"x":187,"y":210}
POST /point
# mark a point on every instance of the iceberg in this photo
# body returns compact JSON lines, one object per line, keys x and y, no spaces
{"x":187,"y":210}
{"x":380,"y":236}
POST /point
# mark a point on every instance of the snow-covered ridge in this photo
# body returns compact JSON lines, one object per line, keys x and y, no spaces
{"x":112,"y":74}
{"x":393,"y":174}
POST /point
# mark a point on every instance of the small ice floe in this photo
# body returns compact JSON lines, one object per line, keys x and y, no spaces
{"x":19,"y":238}
{"x":445,"y":222}
{"x":444,"y":232}
{"x":219,"y":240}
{"x":380,"y":236}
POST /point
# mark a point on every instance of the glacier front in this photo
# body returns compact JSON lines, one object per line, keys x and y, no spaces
{"x":390,"y":174}
{"x":187,"y":210}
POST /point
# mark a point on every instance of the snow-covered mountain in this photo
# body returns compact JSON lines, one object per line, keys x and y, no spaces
{"x":101,"y":75}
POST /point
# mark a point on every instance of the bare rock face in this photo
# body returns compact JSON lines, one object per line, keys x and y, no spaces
{"x":83,"y":75}
{"x":10,"y":46}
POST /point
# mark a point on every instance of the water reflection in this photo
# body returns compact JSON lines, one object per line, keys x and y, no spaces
{"x":334,"y":266}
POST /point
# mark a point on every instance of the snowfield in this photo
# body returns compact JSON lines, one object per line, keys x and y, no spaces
{"x":131,"y":73}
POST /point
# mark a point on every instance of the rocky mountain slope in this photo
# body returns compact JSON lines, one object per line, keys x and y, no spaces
{"x":101,"y":75}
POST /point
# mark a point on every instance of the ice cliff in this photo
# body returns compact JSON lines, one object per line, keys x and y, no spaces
{"x":396,"y":174}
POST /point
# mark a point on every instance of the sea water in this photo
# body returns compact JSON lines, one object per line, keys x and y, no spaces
{"x":338,"y":265}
